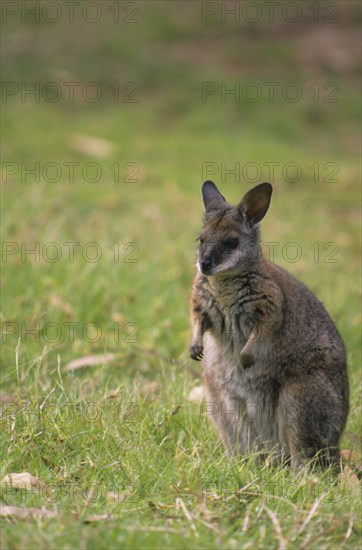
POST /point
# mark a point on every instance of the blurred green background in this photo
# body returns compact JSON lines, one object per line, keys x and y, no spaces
{"x":112,"y":116}
{"x":155,"y":133}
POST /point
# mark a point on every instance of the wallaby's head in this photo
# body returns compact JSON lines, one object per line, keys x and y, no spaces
{"x":229,"y":241}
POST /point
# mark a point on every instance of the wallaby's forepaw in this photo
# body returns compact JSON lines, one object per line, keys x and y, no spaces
{"x":247,"y":359}
{"x":196,"y":352}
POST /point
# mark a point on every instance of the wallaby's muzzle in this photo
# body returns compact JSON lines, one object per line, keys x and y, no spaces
{"x":206,"y":266}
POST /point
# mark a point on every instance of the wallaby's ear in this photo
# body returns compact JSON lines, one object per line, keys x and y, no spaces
{"x":212,"y":197}
{"x":256,"y":202}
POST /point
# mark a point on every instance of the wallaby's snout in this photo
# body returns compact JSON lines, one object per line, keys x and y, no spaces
{"x":210,"y":252}
{"x":206,"y":261}
{"x":206,"y":265}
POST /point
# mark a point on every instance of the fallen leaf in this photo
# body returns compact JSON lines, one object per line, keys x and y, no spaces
{"x":196,"y":394}
{"x":349,"y":456}
{"x":118,"y":317}
{"x":349,"y":478}
{"x":24,"y":480}
{"x":150,"y":388}
{"x":89,"y":361}
{"x":352,"y":458}
{"x":25,"y":513}
{"x":92,"y":146}
{"x":7,"y":398}
{"x":346,"y":454}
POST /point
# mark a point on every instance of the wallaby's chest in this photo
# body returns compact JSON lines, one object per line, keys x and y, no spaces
{"x":230,"y":314}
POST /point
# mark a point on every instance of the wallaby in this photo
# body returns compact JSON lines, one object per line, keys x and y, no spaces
{"x":274,"y":363}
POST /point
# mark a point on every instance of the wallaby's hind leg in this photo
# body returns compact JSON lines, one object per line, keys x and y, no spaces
{"x":311,"y":422}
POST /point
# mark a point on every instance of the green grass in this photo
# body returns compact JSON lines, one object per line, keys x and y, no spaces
{"x":127,"y":426}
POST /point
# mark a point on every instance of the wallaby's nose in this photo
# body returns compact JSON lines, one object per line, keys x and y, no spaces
{"x":206,"y":265}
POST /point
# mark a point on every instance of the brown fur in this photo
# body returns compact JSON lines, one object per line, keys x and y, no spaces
{"x":274,"y":362}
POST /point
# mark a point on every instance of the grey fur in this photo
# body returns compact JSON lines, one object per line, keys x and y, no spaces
{"x":274,"y":363}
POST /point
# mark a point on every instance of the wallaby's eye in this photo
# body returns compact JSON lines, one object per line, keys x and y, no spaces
{"x":231,"y":243}
{"x":201,"y":240}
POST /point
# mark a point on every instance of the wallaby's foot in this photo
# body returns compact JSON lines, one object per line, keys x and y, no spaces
{"x":196,"y":352}
{"x":247,"y":359}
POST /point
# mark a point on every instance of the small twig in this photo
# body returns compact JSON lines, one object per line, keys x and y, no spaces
{"x":188,"y":516}
{"x":349,"y":530}
{"x":209,"y":525}
{"x":88,"y":499}
{"x":115,"y":463}
{"x":285,"y":500}
{"x":277,"y":528}
{"x":46,"y":399}
{"x":245,"y":526}
{"x":239,"y":491}
{"x":310,"y":515}
{"x":13,"y":428}
{"x":17,"y":362}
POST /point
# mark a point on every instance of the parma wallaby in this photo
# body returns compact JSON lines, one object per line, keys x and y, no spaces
{"x":274,"y":363}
